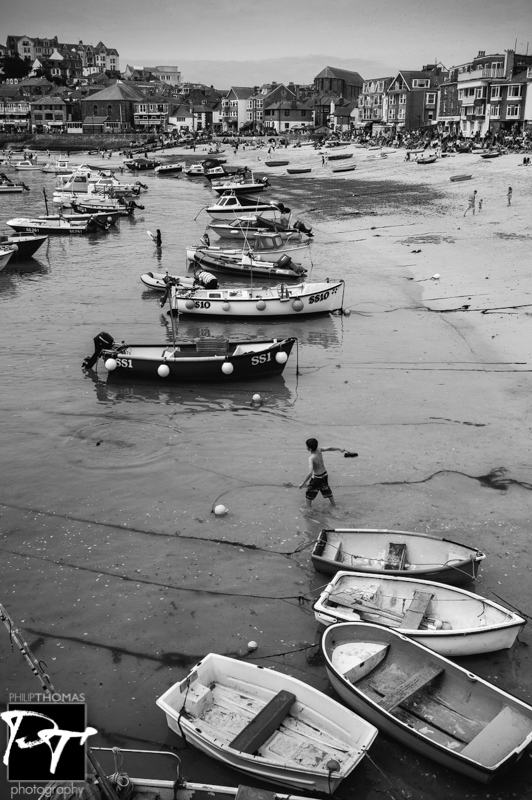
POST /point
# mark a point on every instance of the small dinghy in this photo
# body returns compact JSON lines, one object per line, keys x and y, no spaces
{"x":491,"y":154}
{"x":464,"y":177}
{"x":276,"y":163}
{"x":243,"y":227}
{"x":427,"y":702}
{"x":160,"y":281}
{"x":6,"y":253}
{"x":350,"y":168}
{"x":7,"y":186}
{"x":261,"y":246}
{"x":304,"y":299}
{"x":299,"y":170}
{"x":212,"y":359}
{"x":392,"y":552}
{"x":231,"y":206}
{"x":340,"y":156}
{"x":426,"y":159}
{"x":56,"y":226}
{"x":267,"y":724}
{"x":449,"y":620}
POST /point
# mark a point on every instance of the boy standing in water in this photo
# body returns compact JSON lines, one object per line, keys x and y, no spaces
{"x":319,"y":480}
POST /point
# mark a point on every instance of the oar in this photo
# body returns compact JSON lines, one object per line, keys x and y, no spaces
{"x":45,"y":200}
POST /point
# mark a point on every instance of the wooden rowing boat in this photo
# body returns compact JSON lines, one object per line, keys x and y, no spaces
{"x":464,"y":177}
{"x":393,"y":552}
{"x":340,"y":156}
{"x":298,"y":170}
{"x":427,"y":702}
{"x":276,"y":163}
{"x":266,"y":724}
{"x":350,"y":168}
{"x":448,"y":619}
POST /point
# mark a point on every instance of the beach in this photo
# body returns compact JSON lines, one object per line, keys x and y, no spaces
{"x":115,"y":567}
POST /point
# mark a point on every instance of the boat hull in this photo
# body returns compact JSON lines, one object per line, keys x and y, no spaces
{"x":455,"y":622}
{"x":337,"y":733}
{"x":214,"y":362}
{"x":26,"y":245}
{"x":279,"y":301}
{"x":7,"y":189}
{"x":365,"y":550}
{"x":40,"y":226}
{"x":254,"y":248}
{"x":5,"y":256}
{"x":441,"y":723}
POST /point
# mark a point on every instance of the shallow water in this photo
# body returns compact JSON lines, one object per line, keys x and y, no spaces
{"x":113,"y":563}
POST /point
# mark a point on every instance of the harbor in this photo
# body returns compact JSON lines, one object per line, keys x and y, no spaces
{"x":114,"y":564}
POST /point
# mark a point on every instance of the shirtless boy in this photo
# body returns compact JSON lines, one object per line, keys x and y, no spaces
{"x":319,"y":480}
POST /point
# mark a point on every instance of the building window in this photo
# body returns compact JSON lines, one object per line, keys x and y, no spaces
{"x":431,"y":98}
{"x":514,"y":91}
{"x":513,"y":111}
{"x":495,"y":92}
{"x":495,"y":111}
{"x":402,"y":99}
{"x":287,"y":113}
{"x":109,"y":110}
{"x":95,"y":111}
{"x":420,"y":83}
{"x":303,"y":113}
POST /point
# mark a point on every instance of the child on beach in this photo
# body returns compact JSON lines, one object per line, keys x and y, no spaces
{"x":480,"y":205}
{"x":317,"y":475}
{"x":509,"y":195}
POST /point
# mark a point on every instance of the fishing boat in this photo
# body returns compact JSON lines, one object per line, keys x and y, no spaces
{"x":231,"y":206}
{"x":340,"y":156}
{"x":58,"y":167}
{"x":298,"y":170}
{"x":262,"y":246}
{"x":448,"y":619}
{"x":243,"y":227}
{"x":246,"y":265}
{"x":160,"y":281}
{"x":168,"y":169}
{"x":393,"y":552}
{"x":135,"y":164}
{"x":56,"y":226}
{"x":303,"y":299}
{"x":266,"y":724}
{"x":26,"y":166}
{"x":427,"y":702}
{"x":96,"y":204}
{"x":276,"y":163}
{"x":209,"y":359}
{"x":464,"y":177}
{"x":162,"y":789}
{"x":26,"y":244}
{"x":6,"y":253}
{"x":240,"y":184}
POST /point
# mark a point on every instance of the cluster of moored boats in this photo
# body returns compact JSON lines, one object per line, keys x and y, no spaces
{"x":265,"y":244}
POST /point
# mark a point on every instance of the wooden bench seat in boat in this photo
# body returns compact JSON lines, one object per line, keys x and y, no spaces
{"x":212,"y":346}
{"x":416,"y":610}
{"x":501,"y":735}
{"x":405,"y":690}
{"x":261,"y":727}
{"x":396,"y":556}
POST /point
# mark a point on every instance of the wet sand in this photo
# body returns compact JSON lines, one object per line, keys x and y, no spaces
{"x":121,"y":596}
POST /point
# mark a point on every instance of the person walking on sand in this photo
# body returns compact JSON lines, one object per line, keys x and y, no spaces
{"x":317,"y":478}
{"x":480,"y":205}
{"x":509,"y":195}
{"x":471,"y":203}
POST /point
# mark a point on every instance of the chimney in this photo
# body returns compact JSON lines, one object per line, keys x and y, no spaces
{"x":481,"y":53}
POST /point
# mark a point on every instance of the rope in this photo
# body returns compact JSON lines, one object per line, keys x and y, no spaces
{"x":119,"y":778}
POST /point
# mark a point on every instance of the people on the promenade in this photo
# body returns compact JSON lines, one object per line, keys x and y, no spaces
{"x":471,"y":203}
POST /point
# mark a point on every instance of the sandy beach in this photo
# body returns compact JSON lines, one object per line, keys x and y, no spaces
{"x":428,"y":379}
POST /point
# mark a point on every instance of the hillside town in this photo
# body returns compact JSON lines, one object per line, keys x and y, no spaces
{"x":48,"y":86}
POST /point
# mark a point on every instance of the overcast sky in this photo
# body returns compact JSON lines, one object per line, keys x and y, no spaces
{"x":244,"y":42}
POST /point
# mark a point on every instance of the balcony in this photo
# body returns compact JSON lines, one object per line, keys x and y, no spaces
{"x":480,"y":74}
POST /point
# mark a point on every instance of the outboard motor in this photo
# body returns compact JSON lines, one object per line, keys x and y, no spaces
{"x":300,"y":226}
{"x":205,"y":279}
{"x":103,"y":341}
{"x":284,"y":262}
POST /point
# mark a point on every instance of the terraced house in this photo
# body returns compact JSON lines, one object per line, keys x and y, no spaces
{"x":412,"y":98}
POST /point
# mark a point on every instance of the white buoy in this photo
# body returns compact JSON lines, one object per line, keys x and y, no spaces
{"x":256,"y":398}
{"x":220,"y":510}
{"x":252,"y":646}
{"x":111,"y":364}
{"x":281,"y":358}
{"x":436,"y":277}
{"x":163,"y":370}
{"x":227,"y":368}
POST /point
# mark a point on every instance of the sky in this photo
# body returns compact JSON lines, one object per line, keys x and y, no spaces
{"x":243,"y":42}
